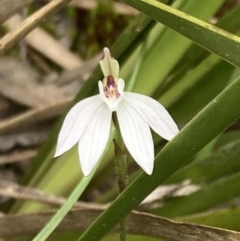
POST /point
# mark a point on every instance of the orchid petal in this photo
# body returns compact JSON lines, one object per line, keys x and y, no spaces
{"x":108,"y":64}
{"x":100,"y":88}
{"x":137,"y":136}
{"x":76,"y":122}
{"x":154,"y":114}
{"x":121,"y":85}
{"x":95,"y":138}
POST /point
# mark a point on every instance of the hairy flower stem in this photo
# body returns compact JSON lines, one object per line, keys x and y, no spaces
{"x":121,"y":171}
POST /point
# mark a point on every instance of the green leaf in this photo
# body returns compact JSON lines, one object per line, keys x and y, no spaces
{"x":187,"y":81}
{"x":169,"y":47}
{"x":202,"y":92}
{"x":214,"y":39}
{"x":195,"y":56}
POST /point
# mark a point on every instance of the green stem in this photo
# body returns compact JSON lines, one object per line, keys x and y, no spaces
{"x":121,"y":171}
{"x":121,"y":166}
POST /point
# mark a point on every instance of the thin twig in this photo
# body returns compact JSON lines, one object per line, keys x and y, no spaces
{"x":34,"y":115}
{"x":14,"y":190}
{"x":48,"y":46}
{"x":29,"y":24}
{"x":139,"y":223}
{"x":17,"y":156}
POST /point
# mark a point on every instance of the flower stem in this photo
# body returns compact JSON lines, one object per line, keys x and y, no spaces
{"x":121,"y":167}
{"x":121,"y":170}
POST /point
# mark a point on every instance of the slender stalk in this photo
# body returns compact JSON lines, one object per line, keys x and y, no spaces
{"x":121,"y":166}
{"x":121,"y":171}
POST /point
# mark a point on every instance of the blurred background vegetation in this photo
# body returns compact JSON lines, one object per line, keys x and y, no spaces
{"x":56,"y":65}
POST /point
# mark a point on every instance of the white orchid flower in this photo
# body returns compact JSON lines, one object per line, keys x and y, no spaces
{"x":88,"y":122}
